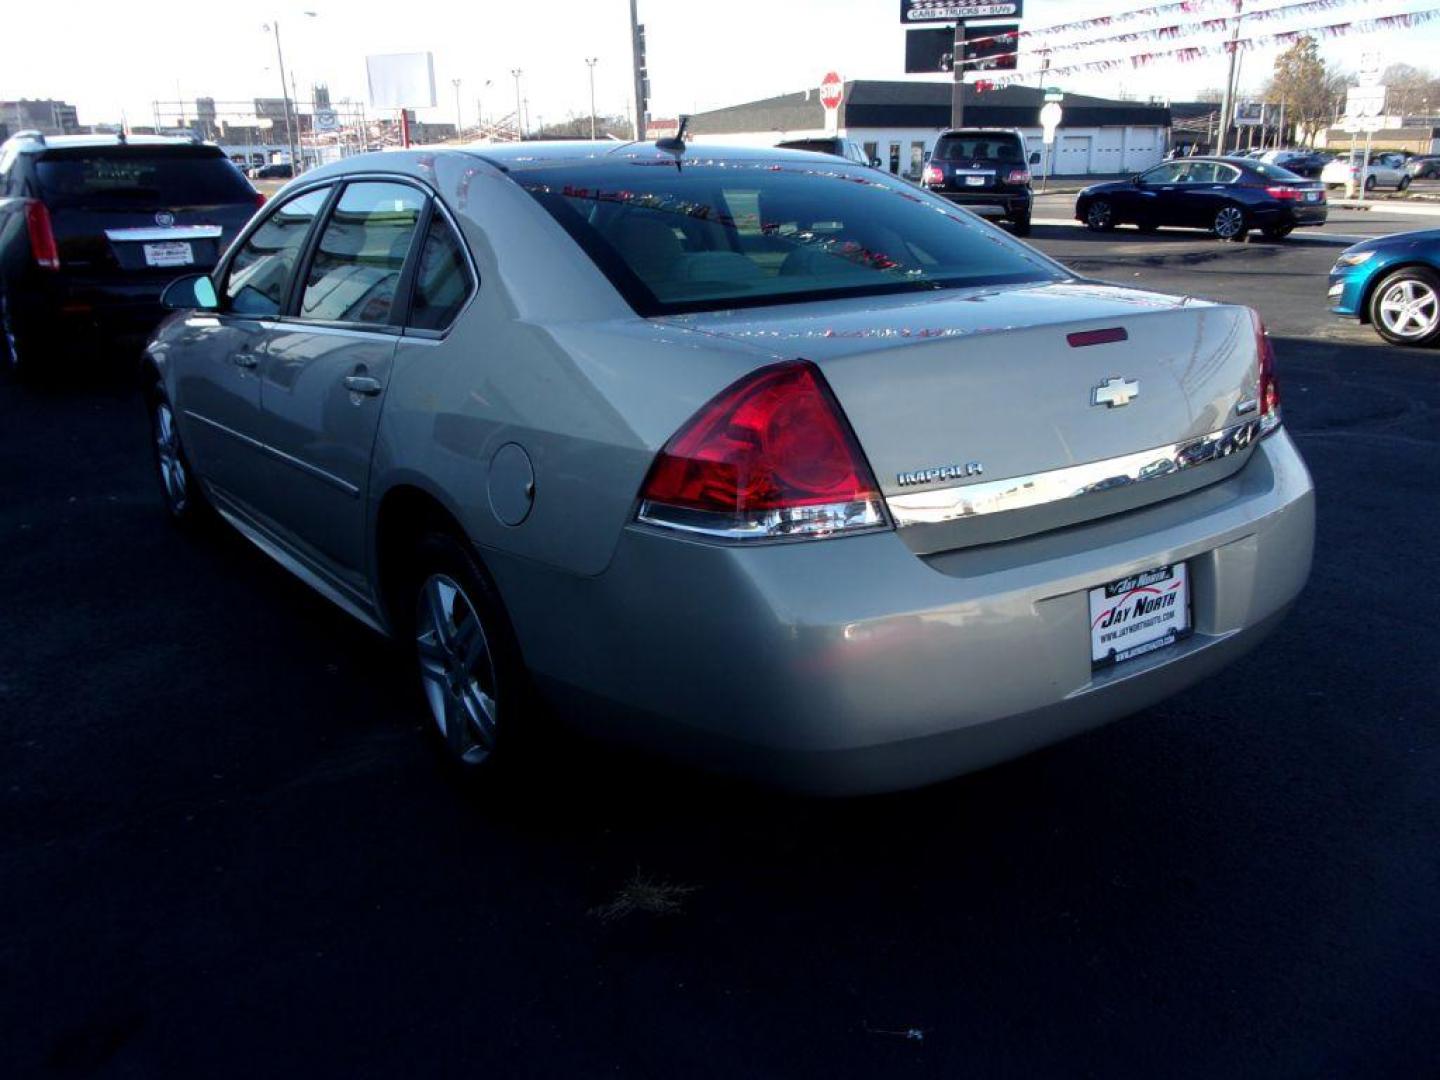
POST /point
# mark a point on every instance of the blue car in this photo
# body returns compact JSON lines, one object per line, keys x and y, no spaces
{"x":1392,"y":283}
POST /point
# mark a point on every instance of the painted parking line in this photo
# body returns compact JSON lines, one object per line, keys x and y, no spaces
{"x":1312,"y":238}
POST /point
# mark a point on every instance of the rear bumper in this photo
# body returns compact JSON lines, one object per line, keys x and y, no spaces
{"x":60,"y":304}
{"x":852,"y":665}
{"x":990,"y":203}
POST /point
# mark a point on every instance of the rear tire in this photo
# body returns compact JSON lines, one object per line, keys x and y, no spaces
{"x":1230,"y":224}
{"x":472,"y":680}
{"x":1100,"y":216}
{"x":1404,"y":183}
{"x":1020,"y":226}
{"x":1405,"y":307}
{"x":1369,"y":183}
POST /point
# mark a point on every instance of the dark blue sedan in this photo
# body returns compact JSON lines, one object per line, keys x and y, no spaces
{"x":1227,"y":196}
{"x":1393,"y":283}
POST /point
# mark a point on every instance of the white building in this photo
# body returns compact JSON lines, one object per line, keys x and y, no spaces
{"x":897,"y":122}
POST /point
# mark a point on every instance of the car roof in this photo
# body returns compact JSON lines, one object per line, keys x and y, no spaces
{"x":542,"y":154}
{"x":35,"y":142}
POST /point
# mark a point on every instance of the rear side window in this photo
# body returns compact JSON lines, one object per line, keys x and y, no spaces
{"x":131,"y":176}
{"x":997,"y":147}
{"x":357,"y":265}
{"x":1273,"y":172}
{"x":260,"y":272}
{"x":442,"y":279}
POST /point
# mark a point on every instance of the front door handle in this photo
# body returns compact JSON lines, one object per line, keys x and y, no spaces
{"x":363,"y":384}
{"x":246,"y":360}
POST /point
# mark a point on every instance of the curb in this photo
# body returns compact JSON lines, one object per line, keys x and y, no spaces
{"x":1393,"y":206}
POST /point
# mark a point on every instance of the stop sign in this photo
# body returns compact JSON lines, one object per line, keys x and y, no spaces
{"x":832,"y":89}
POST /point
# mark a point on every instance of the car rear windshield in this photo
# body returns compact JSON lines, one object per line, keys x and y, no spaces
{"x":141,"y":176}
{"x":707,"y":235}
{"x":1273,"y":172}
{"x":996,"y":146}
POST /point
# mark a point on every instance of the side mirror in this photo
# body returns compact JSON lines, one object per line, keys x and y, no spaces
{"x":194,"y":292}
{"x":875,"y":163}
{"x":1137,"y":181}
{"x":1035,"y":157}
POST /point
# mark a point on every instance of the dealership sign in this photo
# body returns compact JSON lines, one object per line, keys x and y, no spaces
{"x":956,"y":11}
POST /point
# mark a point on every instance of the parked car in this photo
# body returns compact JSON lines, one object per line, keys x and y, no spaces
{"x":1228,"y":196}
{"x":1423,"y":168}
{"x":1300,"y":162}
{"x":1385,"y":170}
{"x":848,"y":149}
{"x":92,"y":227}
{"x":1392,"y":283}
{"x":986,"y":170}
{"x":783,"y":467}
{"x":277,"y":171}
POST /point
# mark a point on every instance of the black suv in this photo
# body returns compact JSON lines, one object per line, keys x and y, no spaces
{"x":844,"y":148}
{"x":93,"y":227}
{"x":986,"y":170}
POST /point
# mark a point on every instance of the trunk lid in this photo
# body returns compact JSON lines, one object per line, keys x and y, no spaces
{"x":986,"y":385}
{"x":140,"y":242}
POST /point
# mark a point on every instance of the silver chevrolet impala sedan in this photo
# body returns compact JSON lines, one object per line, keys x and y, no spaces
{"x":760,"y":457}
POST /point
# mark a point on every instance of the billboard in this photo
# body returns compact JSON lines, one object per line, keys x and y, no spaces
{"x":1249,"y":114}
{"x":401,"y":80}
{"x":992,"y":48}
{"x":929,"y":49}
{"x":913,"y":11}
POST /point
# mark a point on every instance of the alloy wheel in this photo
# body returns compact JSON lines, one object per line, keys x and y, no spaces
{"x":457,"y":668}
{"x":1099,"y":215}
{"x":1229,"y":222}
{"x":169,"y":461}
{"x":1410,"y":309}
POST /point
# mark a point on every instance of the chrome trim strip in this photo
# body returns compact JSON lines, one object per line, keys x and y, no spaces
{"x":1021,"y":492}
{"x":174,"y":232}
{"x":265,"y":448}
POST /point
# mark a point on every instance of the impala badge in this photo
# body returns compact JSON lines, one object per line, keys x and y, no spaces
{"x":1115,"y":392}
{"x":940,"y":472}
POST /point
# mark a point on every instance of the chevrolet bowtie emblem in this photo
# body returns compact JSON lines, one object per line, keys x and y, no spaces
{"x":1115,"y":392}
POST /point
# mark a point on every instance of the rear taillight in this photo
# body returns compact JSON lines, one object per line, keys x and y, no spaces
{"x":1018,"y":176}
{"x":1283,"y":192}
{"x":769,"y":457}
{"x":42,"y":236}
{"x":934,"y":175}
{"x":260,"y":198}
{"x":1267,"y":391}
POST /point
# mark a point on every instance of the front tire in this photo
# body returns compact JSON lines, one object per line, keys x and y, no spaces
{"x":19,"y":349}
{"x":179,"y":487}
{"x":1405,"y":307}
{"x":1230,"y":223}
{"x":471,"y":676}
{"x":1369,"y":183}
{"x":1100,"y":216}
{"x":1404,"y":183}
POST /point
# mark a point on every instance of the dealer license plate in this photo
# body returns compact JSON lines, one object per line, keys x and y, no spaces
{"x":175,"y":253}
{"x":974,"y":181}
{"x":1139,"y":614}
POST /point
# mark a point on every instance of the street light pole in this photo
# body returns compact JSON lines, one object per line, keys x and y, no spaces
{"x":1228,"y":104}
{"x":590,"y":62}
{"x":274,"y":28}
{"x":458,"y":125}
{"x":519,"y":116}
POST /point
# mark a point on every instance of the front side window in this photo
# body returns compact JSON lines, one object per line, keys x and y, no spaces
{"x":442,"y":279}
{"x":714,"y":235}
{"x":259,"y":276}
{"x":357,"y":264}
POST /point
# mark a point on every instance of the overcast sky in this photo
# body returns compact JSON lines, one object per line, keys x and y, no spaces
{"x":111,"y":55}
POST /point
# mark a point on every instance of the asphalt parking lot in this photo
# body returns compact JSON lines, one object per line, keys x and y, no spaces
{"x":228,"y":850}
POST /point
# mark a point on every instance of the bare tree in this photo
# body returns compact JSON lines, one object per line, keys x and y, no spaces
{"x":1306,"y":88}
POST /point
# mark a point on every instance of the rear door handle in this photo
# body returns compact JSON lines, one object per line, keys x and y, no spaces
{"x":246,"y":360}
{"x":363,"y":384}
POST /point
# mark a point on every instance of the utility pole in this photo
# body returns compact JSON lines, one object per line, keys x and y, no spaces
{"x":519,"y":116}
{"x":957,"y":85}
{"x":1228,"y":104}
{"x":590,"y":62}
{"x":459,"y":127}
{"x":274,"y":28}
{"x":637,"y":55}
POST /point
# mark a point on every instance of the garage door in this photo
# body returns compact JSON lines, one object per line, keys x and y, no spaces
{"x":1072,"y":156}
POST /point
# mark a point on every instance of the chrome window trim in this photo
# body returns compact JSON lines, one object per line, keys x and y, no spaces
{"x":174,"y":232}
{"x":937,"y":505}
{"x":280,"y":455}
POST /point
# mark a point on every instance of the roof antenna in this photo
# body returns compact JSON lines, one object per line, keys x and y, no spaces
{"x":675,"y":144}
